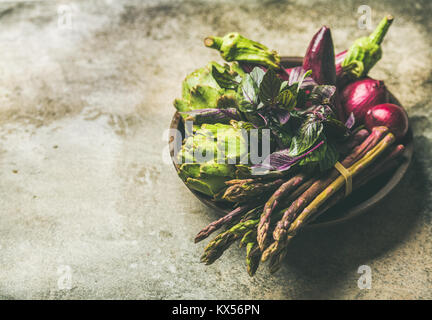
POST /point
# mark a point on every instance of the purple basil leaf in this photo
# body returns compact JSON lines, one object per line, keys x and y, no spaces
{"x":264,"y":119}
{"x":282,"y":115}
{"x":211,"y":115}
{"x":322,"y":94}
{"x":249,"y":66}
{"x":296,"y":76}
{"x":281,"y":160}
{"x":350,"y":121}
{"x":278,"y":160}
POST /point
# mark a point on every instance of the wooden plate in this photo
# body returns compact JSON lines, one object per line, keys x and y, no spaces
{"x":357,"y":203}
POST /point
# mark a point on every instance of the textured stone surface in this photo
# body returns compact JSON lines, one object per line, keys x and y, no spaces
{"x":84,"y":190}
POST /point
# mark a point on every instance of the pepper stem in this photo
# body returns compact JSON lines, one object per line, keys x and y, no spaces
{"x":378,"y":35}
{"x":213,"y":42}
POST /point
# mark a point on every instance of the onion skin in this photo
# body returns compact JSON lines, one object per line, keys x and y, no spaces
{"x":390,"y":115}
{"x":361,"y":95}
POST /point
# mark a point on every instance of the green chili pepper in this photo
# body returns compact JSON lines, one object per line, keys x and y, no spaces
{"x":366,"y":51}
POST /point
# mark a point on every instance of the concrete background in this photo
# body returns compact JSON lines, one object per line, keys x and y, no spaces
{"x":90,"y":210}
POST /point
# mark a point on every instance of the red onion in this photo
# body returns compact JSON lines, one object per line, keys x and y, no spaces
{"x":390,"y":115}
{"x":359,"y":96}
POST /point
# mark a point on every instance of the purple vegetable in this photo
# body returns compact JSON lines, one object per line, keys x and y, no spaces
{"x":211,"y":115}
{"x":389,"y":115}
{"x":282,"y":115}
{"x":320,"y":57}
{"x":339,"y":58}
{"x":361,"y":95}
{"x":350,"y":121}
{"x":248,"y":67}
{"x":297,"y":74}
{"x":281,"y":160}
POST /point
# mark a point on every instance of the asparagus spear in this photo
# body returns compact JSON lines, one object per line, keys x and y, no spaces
{"x":253,"y":253}
{"x":253,"y":257}
{"x":235,"y":213}
{"x":248,"y":189}
{"x":271,"y":204}
{"x":277,"y":249}
{"x":246,"y":230}
{"x":354,"y":141}
{"x":215,"y":225}
{"x":218,"y":245}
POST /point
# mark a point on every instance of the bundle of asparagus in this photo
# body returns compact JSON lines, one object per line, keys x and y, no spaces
{"x":298,"y":206}
{"x":318,"y":154}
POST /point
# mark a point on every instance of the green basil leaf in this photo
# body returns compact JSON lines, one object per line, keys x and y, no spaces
{"x":269,"y":87}
{"x":315,"y":157}
{"x":302,"y":98}
{"x":330,"y":157}
{"x":257,"y":75}
{"x":283,"y":134}
{"x":287,"y":99}
{"x":307,"y":136}
{"x":335,"y":128}
{"x":247,"y":94}
{"x":283,"y":85}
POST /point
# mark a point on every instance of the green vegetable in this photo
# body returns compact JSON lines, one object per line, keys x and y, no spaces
{"x":325,"y":156}
{"x":366,"y":51}
{"x":318,"y":126}
{"x":213,"y":86}
{"x":222,"y":147}
{"x":308,"y":134}
{"x":247,"y":93}
{"x":266,"y":92}
{"x":269,"y":88}
{"x":234,"y":47}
